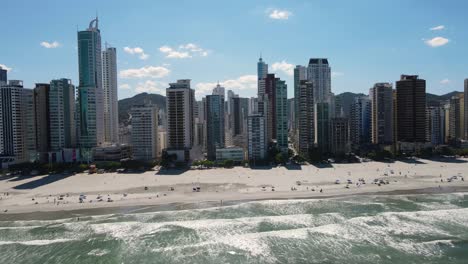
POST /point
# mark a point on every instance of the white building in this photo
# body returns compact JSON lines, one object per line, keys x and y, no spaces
{"x":319,"y":73}
{"x":145,"y":132}
{"x":109,"y":84}
{"x":257,"y":138}
{"x":62,"y":115}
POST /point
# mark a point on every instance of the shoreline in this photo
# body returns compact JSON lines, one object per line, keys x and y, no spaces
{"x":176,"y":206}
{"x":59,"y":195}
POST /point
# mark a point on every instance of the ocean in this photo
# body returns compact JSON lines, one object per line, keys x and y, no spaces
{"x":418,"y":228}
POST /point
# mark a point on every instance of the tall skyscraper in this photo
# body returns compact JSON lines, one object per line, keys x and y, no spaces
{"x":382,"y":113}
{"x":305,"y":118}
{"x":281,"y":115}
{"x":257,"y":141}
{"x":214,"y":124}
{"x":435,"y":118}
{"x":90,"y":92}
{"x":13,"y":123}
{"x":109,"y":84}
{"x":62,"y":114}
{"x":3,"y":76}
{"x":360,"y":121}
{"x":411,"y":109}
{"x":456,"y":126}
{"x":29,"y":124}
{"x":466,"y":109}
{"x":270,"y":96}
{"x":145,"y":132}
{"x":340,"y":143}
{"x":300,"y":74}
{"x":322,"y":126}
{"x":41,"y":103}
{"x":319,"y":73}
{"x":180,"y":99}
{"x":262,"y":71}
{"x":219,"y":90}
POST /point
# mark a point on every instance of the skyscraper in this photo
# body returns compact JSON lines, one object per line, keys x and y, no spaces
{"x":214,"y":124}
{"x":456,"y":126}
{"x":340,"y":135}
{"x":300,"y":74}
{"x":322,"y":126}
{"x":90,"y":92}
{"x":180,"y":99}
{"x":281,"y":115}
{"x":319,"y":73}
{"x":12,"y":123}
{"x":360,"y":121}
{"x":411,"y":109}
{"x":305,"y":118}
{"x":109,"y":83}
{"x":42,"y":117}
{"x":466,"y":109}
{"x":382,"y":113}
{"x":270,"y":96}
{"x":3,"y":76}
{"x":62,"y":114}
{"x":262,"y":71}
{"x":257,"y":142}
{"x":145,"y":132}
{"x":435,"y":125}
{"x":219,"y":90}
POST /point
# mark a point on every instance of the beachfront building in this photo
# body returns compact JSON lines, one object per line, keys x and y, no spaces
{"x":235,"y":154}
{"x":145,"y":132}
{"x":214,"y":124}
{"x":411,"y":109}
{"x":435,"y":118}
{"x":42,"y":118}
{"x":456,"y":119}
{"x":340,"y":143}
{"x":270,"y":95}
{"x":305,"y":138}
{"x":257,"y":141}
{"x":381,"y":96}
{"x":360,"y":121}
{"x":109,"y":85}
{"x":90,"y":93}
{"x":300,"y":74}
{"x":319,"y":73}
{"x":62,"y":114}
{"x":116,"y":152}
{"x":180,"y":100}
{"x":281,"y":115}
{"x":17,"y":128}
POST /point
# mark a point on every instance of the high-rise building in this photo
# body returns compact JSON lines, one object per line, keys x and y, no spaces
{"x":360,"y":121}
{"x":42,"y":117}
{"x":257,"y":141}
{"x":340,"y":143}
{"x":219,"y":90}
{"x":456,"y":126}
{"x":3,"y":76}
{"x":180,"y":100}
{"x":62,"y":114}
{"x":281,"y":115}
{"x":214,"y":124}
{"x":322,"y":126}
{"x":262,"y":71}
{"x":411,"y":109}
{"x":382,"y":113}
{"x":145,"y":132}
{"x":466,"y":109}
{"x":14,"y":122}
{"x":435,"y":118}
{"x":300,"y":74}
{"x":90,"y":106}
{"x":109,"y":84}
{"x":305,"y":118}
{"x":319,"y":73}
{"x":270,"y":95}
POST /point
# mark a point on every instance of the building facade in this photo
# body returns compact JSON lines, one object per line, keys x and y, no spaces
{"x":62,"y":121}
{"x":305,"y":138}
{"x":42,"y":117}
{"x":257,"y":141}
{"x":214,"y":124}
{"x":360,"y":121}
{"x":382,"y":113}
{"x":281,"y":115}
{"x":145,"y":132}
{"x":340,"y":143}
{"x":109,"y":84}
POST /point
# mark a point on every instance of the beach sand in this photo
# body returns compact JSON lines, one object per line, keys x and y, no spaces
{"x":219,"y":186}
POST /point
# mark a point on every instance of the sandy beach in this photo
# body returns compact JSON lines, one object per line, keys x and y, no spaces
{"x":62,"y":193}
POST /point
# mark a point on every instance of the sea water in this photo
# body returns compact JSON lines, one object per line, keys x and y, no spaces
{"x":419,"y":228}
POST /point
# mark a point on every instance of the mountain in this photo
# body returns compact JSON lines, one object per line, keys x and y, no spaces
{"x":126,"y":104}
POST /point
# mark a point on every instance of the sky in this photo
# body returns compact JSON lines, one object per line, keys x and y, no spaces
{"x":158,"y":42}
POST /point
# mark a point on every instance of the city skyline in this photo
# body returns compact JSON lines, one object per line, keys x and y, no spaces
{"x":196,"y":44}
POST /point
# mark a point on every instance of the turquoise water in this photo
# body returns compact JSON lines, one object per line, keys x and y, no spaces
{"x":423,"y":228}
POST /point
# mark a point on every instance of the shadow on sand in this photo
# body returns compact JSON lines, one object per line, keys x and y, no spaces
{"x":293,"y":166}
{"x":51,"y":178}
{"x":448,"y":160}
{"x":412,"y":161}
{"x":171,"y":171}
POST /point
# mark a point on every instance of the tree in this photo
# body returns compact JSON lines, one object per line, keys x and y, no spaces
{"x":228,"y":163}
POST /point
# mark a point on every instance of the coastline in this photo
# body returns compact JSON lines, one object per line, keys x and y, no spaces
{"x":150,"y":191}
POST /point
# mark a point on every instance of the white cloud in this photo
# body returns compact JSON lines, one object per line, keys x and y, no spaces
{"x":336,"y":74}
{"x":145,"y":72}
{"x":124,"y":86}
{"x":50,"y":45}
{"x":436,"y":42}
{"x":279,"y":14}
{"x":445,"y":81}
{"x":283,"y":66}
{"x":184,"y":51}
{"x":5,"y":67}
{"x":138,"y":51}
{"x":150,"y":86}
{"x":441,"y":27}
{"x":244,"y":82}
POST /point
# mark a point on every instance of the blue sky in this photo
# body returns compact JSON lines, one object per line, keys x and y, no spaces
{"x":210,"y":41}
